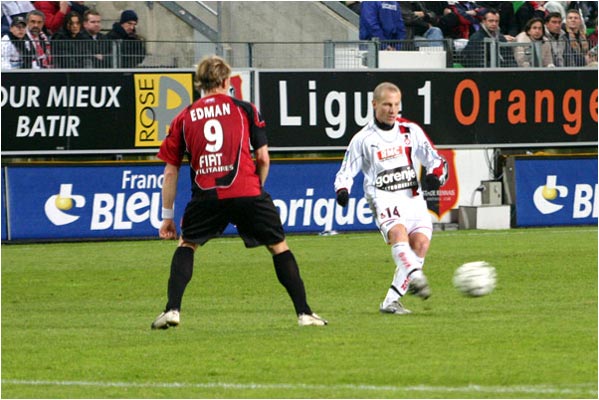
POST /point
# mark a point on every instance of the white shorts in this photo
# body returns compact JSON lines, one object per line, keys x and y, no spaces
{"x":411,"y":212}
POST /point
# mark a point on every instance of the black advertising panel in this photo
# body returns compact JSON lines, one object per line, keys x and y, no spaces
{"x":48,"y":113}
{"x":90,"y":112}
{"x":322,"y":110}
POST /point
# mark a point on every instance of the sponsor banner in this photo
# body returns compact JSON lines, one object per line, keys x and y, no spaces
{"x":123,"y":201}
{"x":86,"y":201}
{"x":95,"y":112}
{"x":158,"y":99}
{"x":556,"y":191}
{"x":307,"y":201}
{"x":444,"y":199}
{"x":322,"y":110}
{"x":81,"y":202}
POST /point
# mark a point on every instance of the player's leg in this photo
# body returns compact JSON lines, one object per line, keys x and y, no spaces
{"x":288,"y":273}
{"x":420,"y":242}
{"x":258,"y":223}
{"x":180,"y":275}
{"x":420,"y":230}
{"x":202,"y":220}
{"x":407,"y":269}
{"x":289,"y":276}
{"x":392,"y":221}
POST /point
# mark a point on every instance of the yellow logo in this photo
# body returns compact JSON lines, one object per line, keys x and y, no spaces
{"x":158,"y":99}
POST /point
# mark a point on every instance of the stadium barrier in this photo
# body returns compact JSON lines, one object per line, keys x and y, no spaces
{"x":123,"y":200}
{"x":113,"y":54}
{"x":99,"y":112}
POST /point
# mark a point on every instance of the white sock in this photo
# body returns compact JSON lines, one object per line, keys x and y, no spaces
{"x":408,"y":267}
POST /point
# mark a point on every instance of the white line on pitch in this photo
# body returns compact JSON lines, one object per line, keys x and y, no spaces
{"x":528,"y":389}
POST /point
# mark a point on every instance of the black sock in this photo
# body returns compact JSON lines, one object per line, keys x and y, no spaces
{"x":289,"y":276}
{"x":181,"y":271}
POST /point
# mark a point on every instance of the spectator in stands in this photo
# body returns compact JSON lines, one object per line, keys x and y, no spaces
{"x":68,"y":43}
{"x":507,"y":17}
{"x":132,"y":49}
{"x":477,"y":53}
{"x":419,"y":24}
{"x":12,"y":44}
{"x":56,"y":11}
{"x":12,"y":9}
{"x":37,"y":52}
{"x":528,"y":10}
{"x":97,"y":44}
{"x":461,"y":19}
{"x":527,"y":56}
{"x":577,"y":45}
{"x":382,"y":20}
{"x":446,"y":20}
{"x":587,"y":11}
{"x":436,"y":8}
{"x":556,"y":37}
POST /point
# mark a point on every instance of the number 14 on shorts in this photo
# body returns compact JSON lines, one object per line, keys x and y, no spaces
{"x":390,"y":213}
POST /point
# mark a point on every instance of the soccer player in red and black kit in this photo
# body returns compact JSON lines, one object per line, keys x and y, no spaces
{"x":216,"y":132}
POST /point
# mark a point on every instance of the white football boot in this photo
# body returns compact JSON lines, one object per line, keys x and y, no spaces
{"x":311,"y":320}
{"x":395,"y":307}
{"x":166,"y":319}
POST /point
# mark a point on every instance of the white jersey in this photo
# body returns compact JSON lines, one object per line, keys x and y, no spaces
{"x":386,"y":160}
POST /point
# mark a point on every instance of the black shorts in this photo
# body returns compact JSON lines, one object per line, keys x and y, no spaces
{"x":256,"y":218}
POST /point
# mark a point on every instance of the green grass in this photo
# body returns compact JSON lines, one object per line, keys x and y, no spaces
{"x":76,"y":318}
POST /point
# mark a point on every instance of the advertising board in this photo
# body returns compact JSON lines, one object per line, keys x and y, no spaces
{"x":556,"y":191}
{"x":66,"y":202}
{"x":115,"y":112}
{"x":124,"y":201}
{"x":322,"y":110}
{"x":97,"y":112}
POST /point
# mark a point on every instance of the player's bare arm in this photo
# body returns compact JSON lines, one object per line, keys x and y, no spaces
{"x":168,"y":229}
{"x":262,"y":163}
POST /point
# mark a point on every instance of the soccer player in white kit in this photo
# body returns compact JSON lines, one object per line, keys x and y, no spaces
{"x":384,"y":151}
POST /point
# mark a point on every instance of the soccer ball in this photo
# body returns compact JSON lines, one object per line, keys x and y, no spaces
{"x":475,"y":279}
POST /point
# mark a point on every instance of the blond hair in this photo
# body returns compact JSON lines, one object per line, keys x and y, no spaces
{"x":211,"y":73}
{"x":383,"y":87}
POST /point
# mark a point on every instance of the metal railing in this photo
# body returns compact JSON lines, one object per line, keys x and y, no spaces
{"x":106,"y":54}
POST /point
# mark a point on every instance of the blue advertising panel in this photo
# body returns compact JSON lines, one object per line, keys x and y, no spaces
{"x":64,"y":202}
{"x":556,"y":191}
{"x":305,"y":197}
{"x":87,"y":202}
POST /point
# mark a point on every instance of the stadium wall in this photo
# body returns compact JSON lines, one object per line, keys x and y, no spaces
{"x":467,"y":114}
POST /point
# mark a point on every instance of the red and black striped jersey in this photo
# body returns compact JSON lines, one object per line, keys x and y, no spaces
{"x":216,"y":133}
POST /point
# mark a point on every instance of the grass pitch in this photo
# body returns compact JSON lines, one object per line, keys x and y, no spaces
{"x":76,"y":321}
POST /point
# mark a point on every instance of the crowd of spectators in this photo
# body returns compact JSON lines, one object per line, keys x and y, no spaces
{"x":486,"y":33}
{"x":67,"y":34}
